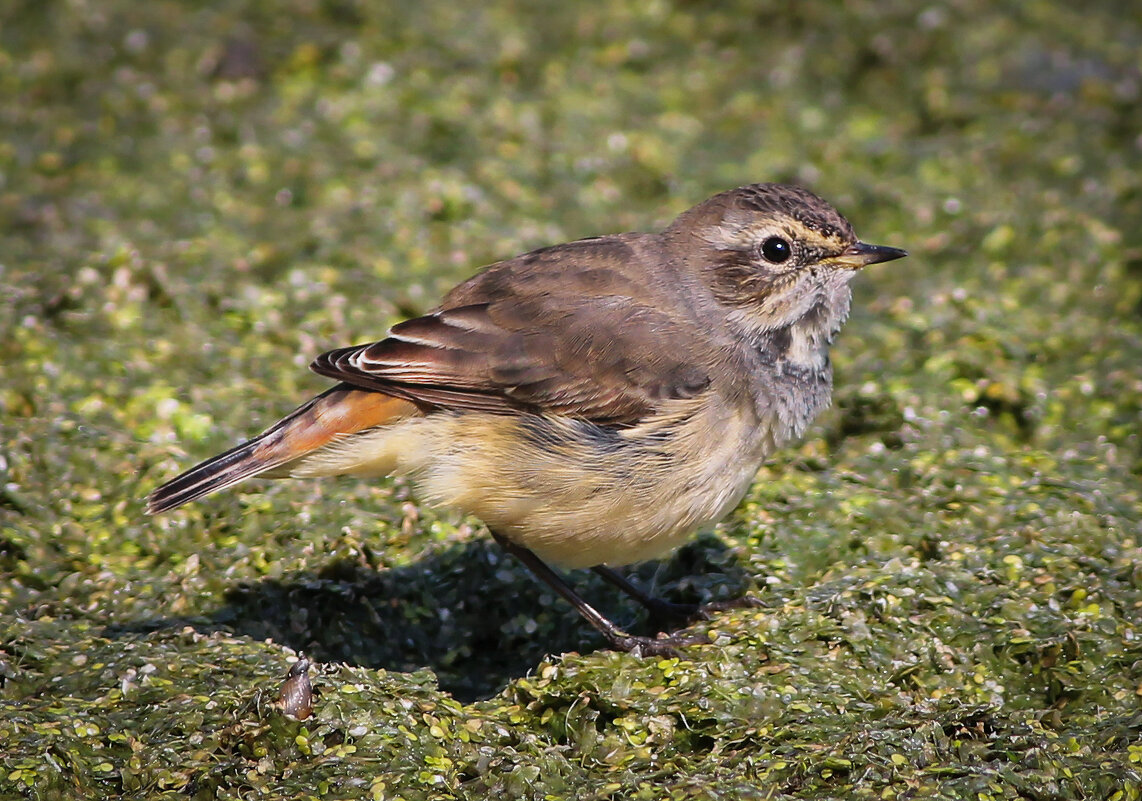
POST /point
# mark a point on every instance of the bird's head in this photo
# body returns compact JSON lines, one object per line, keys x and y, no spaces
{"x":775,"y":254}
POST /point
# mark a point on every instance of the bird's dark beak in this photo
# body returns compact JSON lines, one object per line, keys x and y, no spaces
{"x":861,"y":254}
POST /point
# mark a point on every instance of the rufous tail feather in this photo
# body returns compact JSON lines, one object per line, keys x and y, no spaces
{"x":341,"y":411}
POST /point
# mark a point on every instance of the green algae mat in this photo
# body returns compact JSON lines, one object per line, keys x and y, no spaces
{"x":196,"y":199}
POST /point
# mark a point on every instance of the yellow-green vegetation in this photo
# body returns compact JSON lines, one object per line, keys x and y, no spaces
{"x":197,"y":198}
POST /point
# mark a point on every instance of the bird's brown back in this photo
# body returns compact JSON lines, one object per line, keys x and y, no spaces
{"x":591,"y":329}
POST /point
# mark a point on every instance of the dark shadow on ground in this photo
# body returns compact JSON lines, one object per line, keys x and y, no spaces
{"x":469,"y":612}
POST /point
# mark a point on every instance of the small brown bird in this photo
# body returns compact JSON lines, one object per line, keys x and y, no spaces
{"x":594,"y":403}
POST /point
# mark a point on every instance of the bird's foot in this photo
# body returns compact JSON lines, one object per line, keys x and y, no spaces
{"x":662,"y":645}
{"x":706,"y":611}
{"x":667,"y":615}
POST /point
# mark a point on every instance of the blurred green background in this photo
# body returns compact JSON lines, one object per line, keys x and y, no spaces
{"x":197,"y":198}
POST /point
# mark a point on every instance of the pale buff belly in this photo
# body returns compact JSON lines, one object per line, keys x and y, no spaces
{"x":575,"y":494}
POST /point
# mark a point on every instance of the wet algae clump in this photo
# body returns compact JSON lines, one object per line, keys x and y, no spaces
{"x":195,"y":200}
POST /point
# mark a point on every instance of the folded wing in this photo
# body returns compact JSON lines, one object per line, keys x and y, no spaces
{"x":579,"y":342}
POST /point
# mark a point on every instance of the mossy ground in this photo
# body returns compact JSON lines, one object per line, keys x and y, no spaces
{"x":195,"y":199}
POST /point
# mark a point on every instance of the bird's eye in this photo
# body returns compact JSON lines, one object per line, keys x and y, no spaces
{"x":776,"y":249}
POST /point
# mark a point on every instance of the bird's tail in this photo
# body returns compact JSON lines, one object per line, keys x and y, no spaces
{"x":335,"y":414}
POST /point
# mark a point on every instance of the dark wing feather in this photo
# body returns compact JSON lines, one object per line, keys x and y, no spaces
{"x":591,"y":349}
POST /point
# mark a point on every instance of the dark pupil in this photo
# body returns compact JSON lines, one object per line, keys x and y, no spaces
{"x":775,"y":249}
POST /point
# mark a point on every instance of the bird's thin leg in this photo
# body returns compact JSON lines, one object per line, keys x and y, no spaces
{"x":659,"y":608}
{"x":618,"y":639}
{"x":668,"y":611}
